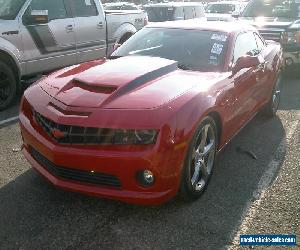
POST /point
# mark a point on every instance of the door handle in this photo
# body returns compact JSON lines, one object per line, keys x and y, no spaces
{"x":100,"y":25}
{"x":69,"y":28}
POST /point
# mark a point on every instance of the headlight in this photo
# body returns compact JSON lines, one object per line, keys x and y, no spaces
{"x":142,"y":137}
{"x":291,"y":37}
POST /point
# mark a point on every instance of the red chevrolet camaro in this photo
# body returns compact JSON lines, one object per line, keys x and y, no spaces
{"x":147,"y":122}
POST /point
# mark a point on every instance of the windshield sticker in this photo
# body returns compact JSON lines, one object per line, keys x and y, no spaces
{"x":217,"y":48}
{"x":213,"y":60}
{"x":220,"y":37}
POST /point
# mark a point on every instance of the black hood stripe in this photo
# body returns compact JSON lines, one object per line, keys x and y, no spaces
{"x":148,"y":77}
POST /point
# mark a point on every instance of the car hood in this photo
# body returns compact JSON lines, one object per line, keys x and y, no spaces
{"x":132,"y":82}
{"x":267,"y":22}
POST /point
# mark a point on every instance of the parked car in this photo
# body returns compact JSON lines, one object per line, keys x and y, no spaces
{"x":224,"y":10}
{"x":120,"y":6}
{"x":149,"y":121}
{"x":278,"y":20}
{"x":174,"y":11}
{"x":38,"y":36}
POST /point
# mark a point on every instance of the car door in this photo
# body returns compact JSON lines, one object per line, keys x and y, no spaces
{"x":90,"y":29}
{"x":51,"y":45}
{"x":265,"y":73}
{"x":242,"y":95}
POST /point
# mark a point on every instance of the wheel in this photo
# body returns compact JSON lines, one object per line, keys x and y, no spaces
{"x":8,"y":86}
{"x":125,"y":38}
{"x":200,"y":160}
{"x":272,"y":106}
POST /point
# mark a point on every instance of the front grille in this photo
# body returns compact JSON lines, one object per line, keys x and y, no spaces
{"x":272,"y":34}
{"x":74,"y":174}
{"x":65,"y":134}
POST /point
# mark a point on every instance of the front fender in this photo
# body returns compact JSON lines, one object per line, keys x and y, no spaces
{"x":13,"y":52}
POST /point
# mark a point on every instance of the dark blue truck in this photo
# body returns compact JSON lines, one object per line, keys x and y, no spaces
{"x":278,"y":20}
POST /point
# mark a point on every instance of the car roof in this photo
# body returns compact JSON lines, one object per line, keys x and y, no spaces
{"x":174,"y":4}
{"x":227,"y":27}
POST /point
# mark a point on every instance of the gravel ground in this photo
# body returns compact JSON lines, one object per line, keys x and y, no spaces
{"x":244,"y":196}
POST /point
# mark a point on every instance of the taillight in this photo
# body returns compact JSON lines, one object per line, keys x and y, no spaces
{"x":145,"y":21}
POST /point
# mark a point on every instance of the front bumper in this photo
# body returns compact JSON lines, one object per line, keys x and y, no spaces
{"x":124,"y":165}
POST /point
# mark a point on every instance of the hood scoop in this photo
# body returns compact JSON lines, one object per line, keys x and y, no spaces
{"x":98,"y":88}
{"x":102,"y":84}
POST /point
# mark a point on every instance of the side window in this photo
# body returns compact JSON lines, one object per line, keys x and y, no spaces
{"x":245,"y":44}
{"x":84,"y":8}
{"x":260,"y":42}
{"x":56,"y":8}
{"x":178,"y":13}
{"x":188,"y":13}
{"x":199,"y":12}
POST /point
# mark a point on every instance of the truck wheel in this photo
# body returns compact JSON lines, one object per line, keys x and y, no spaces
{"x":8,"y":86}
{"x":125,"y":38}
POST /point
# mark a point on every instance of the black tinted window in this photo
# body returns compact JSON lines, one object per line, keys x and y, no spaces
{"x":220,"y":8}
{"x":193,"y":50}
{"x":178,"y":13}
{"x":84,"y":8}
{"x":10,"y":8}
{"x":188,"y":13}
{"x":56,"y":8}
{"x":160,"y":14}
{"x":199,"y":11}
{"x":245,"y":45}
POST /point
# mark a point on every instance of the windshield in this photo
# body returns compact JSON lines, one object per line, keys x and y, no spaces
{"x":193,"y":49}
{"x":10,"y":8}
{"x":220,"y":8}
{"x":159,"y":14}
{"x":275,"y":8}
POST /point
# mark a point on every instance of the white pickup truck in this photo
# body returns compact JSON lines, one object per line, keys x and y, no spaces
{"x":39,"y":36}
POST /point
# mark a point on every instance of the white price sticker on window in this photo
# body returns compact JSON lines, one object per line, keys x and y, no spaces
{"x":219,"y":37}
{"x":217,"y":48}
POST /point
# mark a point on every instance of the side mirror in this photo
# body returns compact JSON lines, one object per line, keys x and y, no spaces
{"x":37,"y":17}
{"x":245,"y":62}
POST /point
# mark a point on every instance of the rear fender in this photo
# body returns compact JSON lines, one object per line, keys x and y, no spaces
{"x":123,"y":30}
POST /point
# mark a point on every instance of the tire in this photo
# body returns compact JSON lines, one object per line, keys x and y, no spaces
{"x":199,"y":165}
{"x":8,"y":86}
{"x":125,"y":38}
{"x":271,"y":108}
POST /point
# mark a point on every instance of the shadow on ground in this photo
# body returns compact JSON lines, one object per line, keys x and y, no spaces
{"x":34,"y":214}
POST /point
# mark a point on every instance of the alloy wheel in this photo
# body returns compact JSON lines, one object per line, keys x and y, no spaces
{"x":203,"y":157}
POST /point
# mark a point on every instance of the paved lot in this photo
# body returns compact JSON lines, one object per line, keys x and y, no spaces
{"x":245,"y":195}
